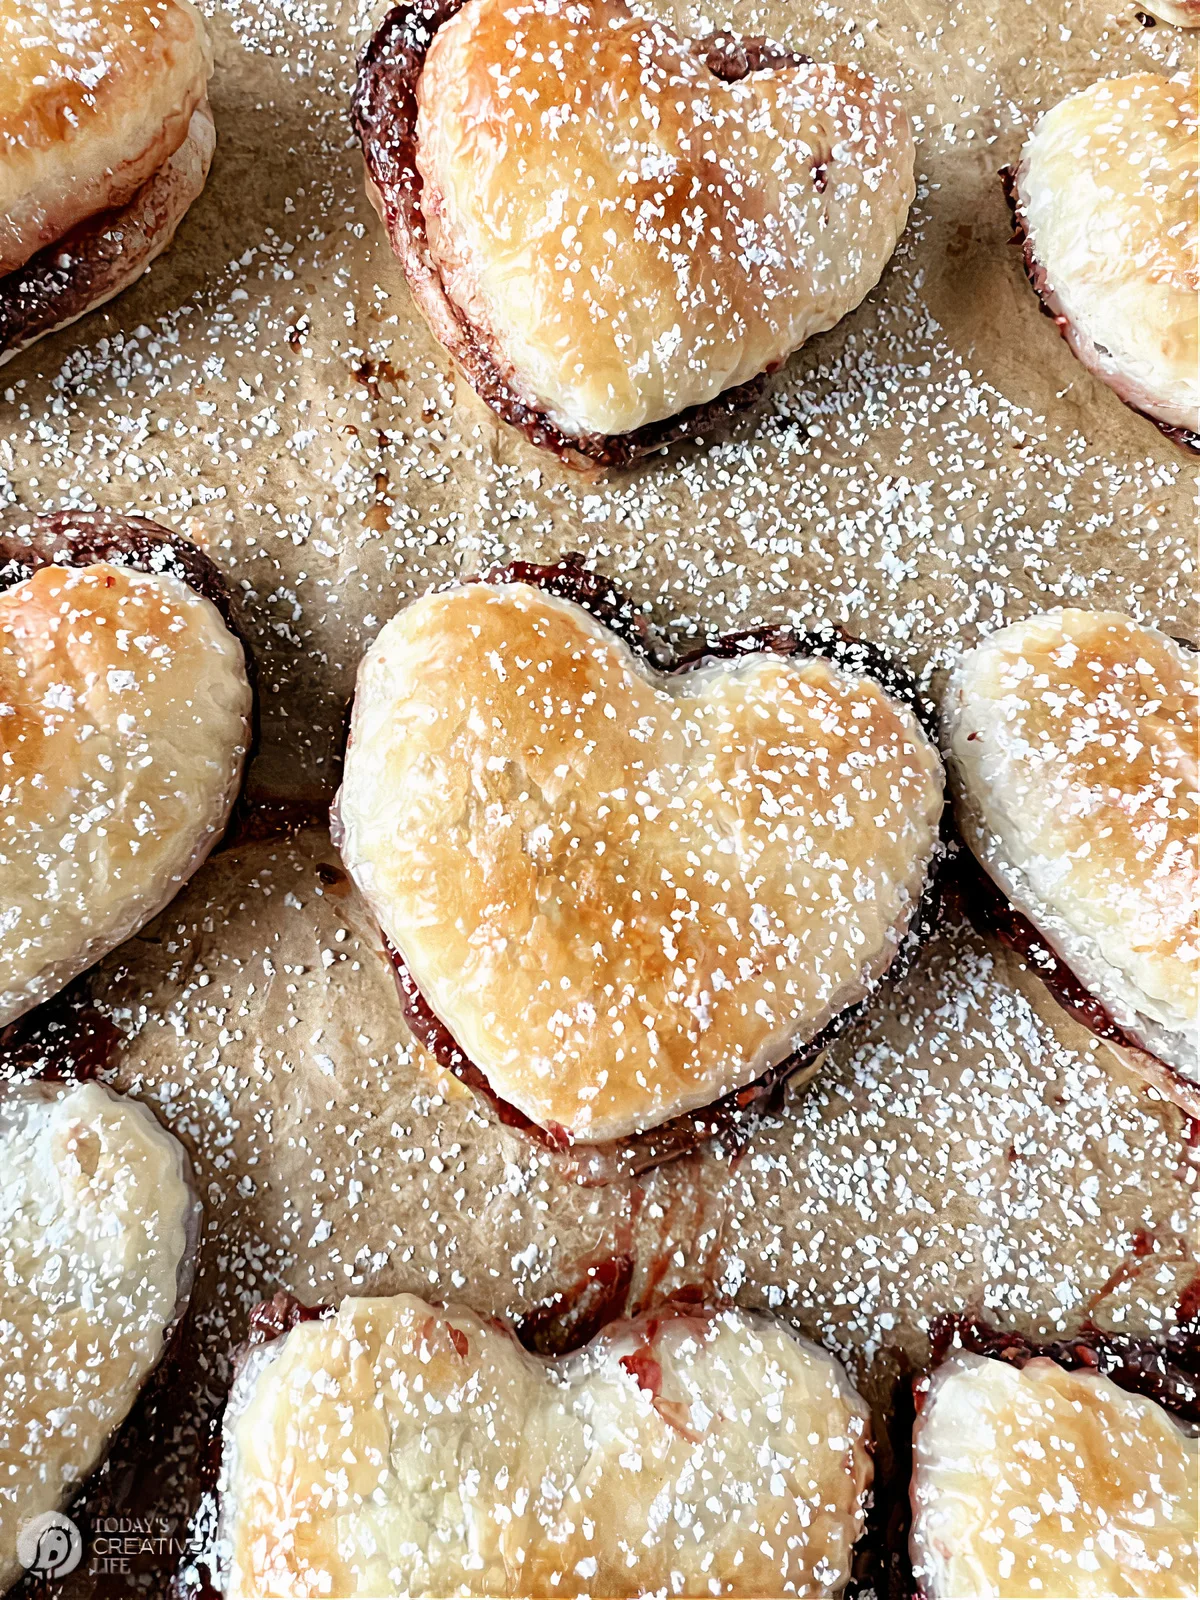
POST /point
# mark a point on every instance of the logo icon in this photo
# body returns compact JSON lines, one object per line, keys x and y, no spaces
{"x":49,"y":1545}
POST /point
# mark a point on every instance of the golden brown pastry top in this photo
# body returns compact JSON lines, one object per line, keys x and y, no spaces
{"x":97,"y":1229}
{"x":95,"y":95}
{"x":398,"y":1449}
{"x":1037,"y":1481}
{"x":630,"y":233}
{"x":124,"y":725}
{"x":626,"y":894}
{"x":1108,"y":197}
{"x":1073,"y":743}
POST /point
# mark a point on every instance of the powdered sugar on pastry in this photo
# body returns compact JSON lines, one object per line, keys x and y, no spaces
{"x":628,"y":233}
{"x":95,"y":97}
{"x":124,"y":727}
{"x":398,"y":1449}
{"x":97,"y":1229}
{"x":1073,"y":745}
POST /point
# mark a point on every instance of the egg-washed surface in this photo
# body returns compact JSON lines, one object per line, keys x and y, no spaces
{"x":627,"y":893}
{"x":1038,"y":1481}
{"x":629,"y":234}
{"x":1073,"y":740}
{"x":398,"y":1449}
{"x":1106,"y":195}
{"x":95,"y":96}
{"x":98,"y":1227}
{"x":938,"y":465}
{"x":124,"y":726}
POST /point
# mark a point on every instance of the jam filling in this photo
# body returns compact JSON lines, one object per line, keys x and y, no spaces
{"x":726,"y":1119}
{"x":992,"y":912}
{"x":63,"y":1040}
{"x":63,"y":279}
{"x":385,"y":119}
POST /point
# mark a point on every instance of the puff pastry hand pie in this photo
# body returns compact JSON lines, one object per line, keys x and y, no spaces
{"x":1037,"y":1481}
{"x":98,"y":1233}
{"x":105,"y":140}
{"x":1072,"y":742}
{"x":125,"y":719}
{"x":610,"y":226}
{"x":1105,"y":197}
{"x":627,"y":892}
{"x":400,"y":1450}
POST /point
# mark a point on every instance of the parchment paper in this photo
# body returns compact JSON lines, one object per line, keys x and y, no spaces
{"x":936,"y":466}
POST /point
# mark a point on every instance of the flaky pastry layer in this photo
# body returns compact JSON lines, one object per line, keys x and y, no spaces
{"x":98,"y":1228}
{"x":124,"y":724}
{"x":626,"y":893}
{"x":1106,"y":195}
{"x":1037,"y":1481}
{"x":95,"y":96}
{"x":105,"y":254}
{"x":401,"y":1450}
{"x":1073,"y":741}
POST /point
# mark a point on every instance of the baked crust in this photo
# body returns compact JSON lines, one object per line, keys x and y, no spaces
{"x":627,"y":893}
{"x":1104,"y":200}
{"x":126,"y":721}
{"x":1072,"y":745}
{"x":1183,"y":13}
{"x":95,"y":97}
{"x":722,"y":311}
{"x":98,"y":1234}
{"x":993,"y":913}
{"x":399,"y":1449}
{"x":100,"y":258}
{"x":1031,"y":1479}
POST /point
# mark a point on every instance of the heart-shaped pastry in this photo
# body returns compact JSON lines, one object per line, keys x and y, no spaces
{"x":1072,"y":741}
{"x":396,"y":1449}
{"x":98,"y":1234}
{"x":1032,"y":1480}
{"x":612,"y":227}
{"x":105,"y":140}
{"x":125,"y":721}
{"x":627,"y":892}
{"x":1105,"y":200}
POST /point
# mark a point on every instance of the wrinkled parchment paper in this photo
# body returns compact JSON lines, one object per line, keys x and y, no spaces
{"x":935,"y":467}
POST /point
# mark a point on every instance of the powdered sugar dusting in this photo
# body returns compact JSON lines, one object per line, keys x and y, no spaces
{"x":937,"y":466}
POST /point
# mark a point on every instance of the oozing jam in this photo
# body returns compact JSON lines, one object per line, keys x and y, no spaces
{"x":994,"y":913}
{"x":573,"y":1317}
{"x":64,"y":1039}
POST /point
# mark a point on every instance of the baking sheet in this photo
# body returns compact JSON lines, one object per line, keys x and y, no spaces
{"x":936,"y":466}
